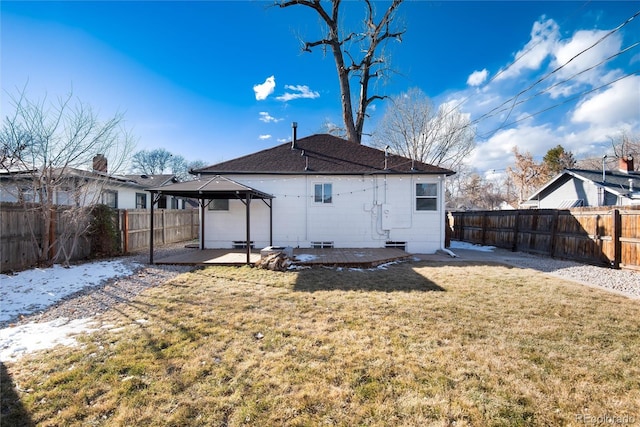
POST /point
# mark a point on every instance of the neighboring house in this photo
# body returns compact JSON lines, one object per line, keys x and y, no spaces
{"x":577,"y":187}
{"x":79,"y":187}
{"x":321,"y":191}
{"x":143,"y":198}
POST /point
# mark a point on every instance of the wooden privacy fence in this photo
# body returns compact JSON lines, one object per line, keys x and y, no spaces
{"x":170,"y":226}
{"x":17,"y":251}
{"x":603,"y":236}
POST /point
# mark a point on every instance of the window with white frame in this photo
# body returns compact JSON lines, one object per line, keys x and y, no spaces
{"x":27,"y":194}
{"x":219,"y":205}
{"x":141,"y":201}
{"x":426,"y":197}
{"x":322,"y":193}
{"x":64,"y":196}
{"x":110,"y":198}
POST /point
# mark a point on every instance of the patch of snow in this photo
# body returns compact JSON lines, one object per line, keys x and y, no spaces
{"x":19,"y":340}
{"x":470,"y":246}
{"x":306,"y":257}
{"x":34,"y":290}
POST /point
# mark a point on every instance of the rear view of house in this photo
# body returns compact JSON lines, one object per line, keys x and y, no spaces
{"x":320,"y":191}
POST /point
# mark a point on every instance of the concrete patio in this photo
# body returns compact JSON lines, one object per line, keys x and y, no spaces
{"x":353,"y":258}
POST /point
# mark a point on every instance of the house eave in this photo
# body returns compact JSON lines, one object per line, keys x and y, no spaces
{"x":328,"y":173}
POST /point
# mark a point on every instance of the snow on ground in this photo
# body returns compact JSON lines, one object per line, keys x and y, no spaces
{"x":19,"y":340}
{"x":305,"y":257}
{"x":470,"y":246}
{"x":33,"y":290}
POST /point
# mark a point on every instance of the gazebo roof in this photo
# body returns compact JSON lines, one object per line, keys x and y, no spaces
{"x":217,"y":187}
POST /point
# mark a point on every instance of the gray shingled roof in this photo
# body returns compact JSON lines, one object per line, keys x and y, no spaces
{"x":321,"y":154}
{"x":151,"y":180}
{"x":615,"y":181}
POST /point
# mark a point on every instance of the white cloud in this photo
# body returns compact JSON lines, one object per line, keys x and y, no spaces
{"x":268,"y":118}
{"x":544,"y":36}
{"x":296,"y":92}
{"x":264,"y":137}
{"x":617,"y":105}
{"x":497,"y":152}
{"x":505,"y":114}
{"x":579,"y":53}
{"x":265,"y":89}
{"x":477,"y":77}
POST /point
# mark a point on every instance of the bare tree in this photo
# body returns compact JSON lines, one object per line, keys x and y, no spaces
{"x":526,"y":174}
{"x":45,"y":147}
{"x":332,"y":129}
{"x":622,"y":145}
{"x":414,"y":128}
{"x":154,"y":162}
{"x":625,"y":145}
{"x":468,"y":190}
{"x":160,"y":161}
{"x":357,"y":54}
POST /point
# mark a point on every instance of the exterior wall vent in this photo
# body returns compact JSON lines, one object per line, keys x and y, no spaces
{"x":322,"y":245}
{"x":396,"y":245}
{"x":242,"y":244}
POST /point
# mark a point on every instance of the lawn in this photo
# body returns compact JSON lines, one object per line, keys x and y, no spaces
{"x":416,"y":344}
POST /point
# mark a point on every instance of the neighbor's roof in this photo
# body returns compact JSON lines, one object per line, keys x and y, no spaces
{"x":322,"y":154}
{"x":71,"y":172}
{"x":152,"y":180}
{"x":615,"y":181}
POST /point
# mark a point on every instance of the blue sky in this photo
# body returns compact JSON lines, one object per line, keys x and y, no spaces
{"x":184,"y":73}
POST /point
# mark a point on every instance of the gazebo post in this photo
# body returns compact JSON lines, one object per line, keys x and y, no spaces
{"x":151,"y":230}
{"x":248,"y":206}
{"x":270,"y":222}
{"x":202,"y":212}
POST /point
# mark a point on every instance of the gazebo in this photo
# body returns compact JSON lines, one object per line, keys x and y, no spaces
{"x":205,"y":190}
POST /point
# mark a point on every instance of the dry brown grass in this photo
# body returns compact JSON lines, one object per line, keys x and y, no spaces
{"x":418,"y":344}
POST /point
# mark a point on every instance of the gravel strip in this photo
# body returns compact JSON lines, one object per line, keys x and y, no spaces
{"x":97,"y":299}
{"x":624,"y":282}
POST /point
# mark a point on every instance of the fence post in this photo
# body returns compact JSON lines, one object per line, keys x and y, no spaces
{"x":483,"y":238}
{"x":125,"y":231}
{"x":554,"y":229}
{"x":617,"y":233}
{"x":514,"y":245}
{"x":164,"y":227}
{"x":53,"y":220}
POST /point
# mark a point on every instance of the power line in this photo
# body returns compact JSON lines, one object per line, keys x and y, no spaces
{"x":549,"y":74}
{"x":561,"y":103}
{"x":493,"y":112}
{"x":525,"y":53}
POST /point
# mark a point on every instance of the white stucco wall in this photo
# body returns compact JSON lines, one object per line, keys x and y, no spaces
{"x":366,"y":212}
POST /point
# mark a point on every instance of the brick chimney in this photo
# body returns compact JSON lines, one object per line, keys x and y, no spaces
{"x":625,"y":164}
{"x":99,"y":163}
